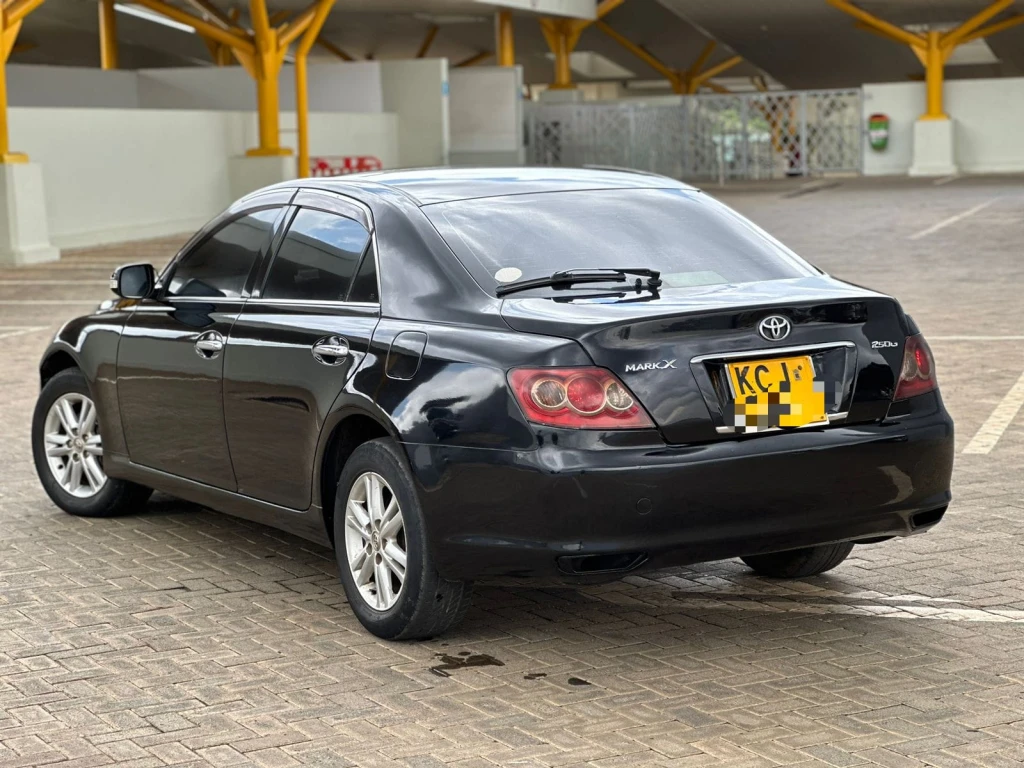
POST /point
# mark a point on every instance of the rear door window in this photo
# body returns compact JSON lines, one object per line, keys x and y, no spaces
{"x":318,"y":258}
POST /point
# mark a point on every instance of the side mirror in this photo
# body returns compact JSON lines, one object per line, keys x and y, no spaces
{"x":133,"y":281}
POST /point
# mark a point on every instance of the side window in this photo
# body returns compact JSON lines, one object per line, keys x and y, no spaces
{"x":317,"y":259}
{"x":364,"y":287}
{"x":218,"y":266}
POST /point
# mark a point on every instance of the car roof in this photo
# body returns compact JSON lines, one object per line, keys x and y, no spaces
{"x":441,"y":185}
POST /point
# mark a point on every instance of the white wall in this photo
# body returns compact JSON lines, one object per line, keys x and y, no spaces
{"x":112,"y":175}
{"x":333,"y":87}
{"x":987,"y":114}
{"x":417,"y":91}
{"x":486,"y":115}
{"x":33,"y":85}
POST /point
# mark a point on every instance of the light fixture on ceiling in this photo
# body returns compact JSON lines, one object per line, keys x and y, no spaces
{"x":144,"y":13}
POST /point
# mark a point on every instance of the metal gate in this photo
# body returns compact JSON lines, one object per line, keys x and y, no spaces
{"x":740,"y":136}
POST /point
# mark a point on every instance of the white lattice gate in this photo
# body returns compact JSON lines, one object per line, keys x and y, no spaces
{"x":743,"y":136}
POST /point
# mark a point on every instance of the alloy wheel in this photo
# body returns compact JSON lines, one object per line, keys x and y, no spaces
{"x":74,"y":448}
{"x":375,"y":543}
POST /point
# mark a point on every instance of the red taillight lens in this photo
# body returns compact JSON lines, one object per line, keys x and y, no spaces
{"x":917,"y":375}
{"x":578,"y":398}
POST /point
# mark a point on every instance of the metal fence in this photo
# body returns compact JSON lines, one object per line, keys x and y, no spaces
{"x":741,"y":136}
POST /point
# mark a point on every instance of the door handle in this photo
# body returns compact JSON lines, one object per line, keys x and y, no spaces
{"x":209,"y":345}
{"x":332,"y":350}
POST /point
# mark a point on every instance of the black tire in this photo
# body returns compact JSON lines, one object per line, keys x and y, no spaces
{"x":427,"y":604}
{"x":800,"y":563}
{"x":115,"y":497}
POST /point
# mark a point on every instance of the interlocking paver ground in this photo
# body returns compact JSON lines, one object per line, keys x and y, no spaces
{"x":182,"y":637}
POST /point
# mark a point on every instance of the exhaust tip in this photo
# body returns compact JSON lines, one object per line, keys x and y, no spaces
{"x":925,"y":519}
{"x":620,"y":562}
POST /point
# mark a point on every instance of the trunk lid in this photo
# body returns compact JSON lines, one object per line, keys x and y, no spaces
{"x":672,"y":349}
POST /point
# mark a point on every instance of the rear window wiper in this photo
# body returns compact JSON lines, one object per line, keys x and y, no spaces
{"x":572,"y":276}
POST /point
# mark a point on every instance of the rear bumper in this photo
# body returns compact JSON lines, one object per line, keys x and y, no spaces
{"x":543,"y":513}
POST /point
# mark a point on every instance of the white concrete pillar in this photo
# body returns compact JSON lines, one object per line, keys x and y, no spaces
{"x":24,"y":234}
{"x":247,"y":173}
{"x":934,"y":153}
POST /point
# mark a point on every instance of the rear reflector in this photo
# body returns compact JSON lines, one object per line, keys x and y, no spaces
{"x":578,"y":398}
{"x":917,"y":374}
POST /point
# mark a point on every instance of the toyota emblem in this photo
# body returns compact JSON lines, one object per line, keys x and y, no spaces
{"x":774,"y":327}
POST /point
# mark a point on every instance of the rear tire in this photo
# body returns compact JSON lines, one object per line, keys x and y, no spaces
{"x":67,"y":448}
{"x":800,"y":563}
{"x":380,"y":542}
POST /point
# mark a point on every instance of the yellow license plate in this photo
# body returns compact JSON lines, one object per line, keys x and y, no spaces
{"x":775,"y":393}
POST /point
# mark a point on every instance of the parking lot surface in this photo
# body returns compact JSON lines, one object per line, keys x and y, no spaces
{"x":179,"y":636}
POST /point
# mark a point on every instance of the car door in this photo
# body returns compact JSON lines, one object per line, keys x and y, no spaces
{"x":296,"y":342}
{"x":170,"y":358}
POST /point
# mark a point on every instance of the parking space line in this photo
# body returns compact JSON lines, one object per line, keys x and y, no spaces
{"x":988,"y":435}
{"x":975,"y":338}
{"x":5,"y":333}
{"x":945,"y":180}
{"x":54,"y":282}
{"x":44,"y":302}
{"x":952,"y":220}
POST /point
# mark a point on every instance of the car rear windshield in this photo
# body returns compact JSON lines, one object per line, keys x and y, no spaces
{"x":689,"y":237}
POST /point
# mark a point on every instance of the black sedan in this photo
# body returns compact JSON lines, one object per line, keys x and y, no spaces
{"x":450,"y":375}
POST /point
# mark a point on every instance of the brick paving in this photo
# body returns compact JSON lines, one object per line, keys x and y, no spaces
{"x":181,"y":637}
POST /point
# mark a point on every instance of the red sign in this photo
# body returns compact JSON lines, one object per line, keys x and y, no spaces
{"x":340,"y":166}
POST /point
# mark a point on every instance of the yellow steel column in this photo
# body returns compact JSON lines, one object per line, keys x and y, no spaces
{"x":934,"y":63}
{"x":268,"y":66}
{"x":506,"y":46}
{"x":563,"y":72}
{"x":108,"y":35}
{"x":302,"y":85}
{"x":12,"y":13}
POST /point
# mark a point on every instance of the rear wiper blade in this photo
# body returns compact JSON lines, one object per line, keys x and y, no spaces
{"x":572,"y":276}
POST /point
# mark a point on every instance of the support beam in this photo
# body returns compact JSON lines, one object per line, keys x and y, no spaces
{"x":236,"y":39}
{"x":699,"y":63}
{"x":476,"y":58}
{"x":11,"y":16}
{"x":504,"y":39}
{"x":933,"y":76}
{"x":108,"y":34}
{"x":890,"y":30}
{"x":644,"y":55}
{"x":992,"y":29}
{"x":214,"y":14}
{"x":327,"y":45}
{"x":290,"y":32}
{"x":309,"y":37}
{"x":718,"y":69}
{"x":428,"y":40}
{"x":268,"y":59}
{"x":955,"y":36}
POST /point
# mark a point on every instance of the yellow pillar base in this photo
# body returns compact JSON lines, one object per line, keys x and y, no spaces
{"x":13,"y":157}
{"x":269,"y":152}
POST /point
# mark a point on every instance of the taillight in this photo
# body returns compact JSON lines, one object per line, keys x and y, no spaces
{"x":917,"y":374}
{"x":579,"y":398}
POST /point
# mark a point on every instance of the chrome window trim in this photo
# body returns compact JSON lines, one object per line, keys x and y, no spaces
{"x":772,"y":351}
{"x":313,"y":303}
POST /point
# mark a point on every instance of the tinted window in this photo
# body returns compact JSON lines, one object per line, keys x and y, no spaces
{"x":220,"y":264}
{"x":317,"y":259}
{"x":689,"y":237}
{"x":365,"y":286}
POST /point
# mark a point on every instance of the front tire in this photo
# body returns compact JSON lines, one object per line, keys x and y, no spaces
{"x":800,"y":563}
{"x":381,"y":547}
{"x":67,"y":447}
